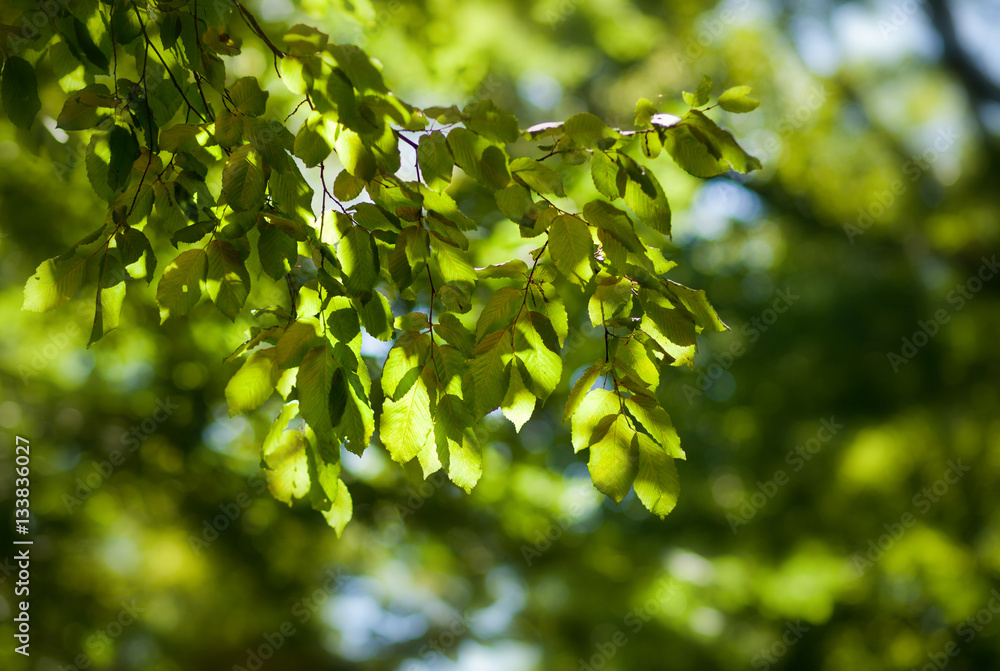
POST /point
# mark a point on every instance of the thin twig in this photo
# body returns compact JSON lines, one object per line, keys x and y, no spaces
{"x":158,"y":55}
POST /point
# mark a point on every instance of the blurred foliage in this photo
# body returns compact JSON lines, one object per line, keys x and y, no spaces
{"x":874,"y":211}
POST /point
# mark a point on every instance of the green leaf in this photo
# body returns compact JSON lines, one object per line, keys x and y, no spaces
{"x":513,"y":269}
{"x":227,"y":278}
{"x":180,"y":286}
{"x":125,"y":24}
{"x":454,"y":266}
{"x":571,"y":247}
{"x":655,"y":420}
{"x":644,"y":111}
{"x":644,"y":195}
{"x":536,"y":219}
{"x":586,"y":130}
{"x":406,"y":424}
{"x":700,"y":96}
{"x":467,"y":149}
{"x":454,"y":333}
{"x":736,"y":100}
{"x":499,"y":311}
{"x":357,"y":423}
{"x":253,"y":383}
{"x":604,"y":171}
{"x":455,"y":435}
{"x":518,"y":403}
{"x":344,"y":325}
{"x":656,"y":482}
{"x":484,"y":118}
{"x":136,"y":254}
{"x":96,"y":159}
{"x":313,"y":381}
{"x":238,"y":224}
{"x":277,"y":251}
{"x":257,"y":336}
{"x":293,"y":229}
{"x":614,"y":251}
{"x":612,"y":298}
{"x":409,"y":255}
{"x":513,"y":201}
{"x":634,"y":362}
{"x":536,"y":346}
{"x":722,"y":142}
{"x":248,"y":97}
{"x":493,"y":167}
{"x":435,"y":160}
{"x":292,"y":195}
{"x":271,"y":140}
{"x":613,"y":462}
{"x":581,"y":387}
{"x":300,"y":337}
{"x":356,"y":158}
{"x":355,"y":63}
{"x":453,"y":298}
{"x":373,"y":217}
{"x":358,"y":256}
{"x":181,"y":137}
{"x":86,"y":45}
{"x":170,"y":30}
{"x":550,"y":304}
{"x":341,"y":509}
{"x":443,"y":204}
{"x":693,"y":152}
{"x":337,"y":398}
{"x":19,"y":92}
{"x":243,"y":179}
{"x":607,"y":218}
{"x":672,"y":329}
{"x":405,"y":361}
{"x":311,"y":143}
{"x":660,"y":263}
{"x":595,"y":406}
{"x":445,"y":115}
{"x":347,"y":187}
{"x":285,"y":458}
{"x":80,"y":111}
{"x":228,"y":129}
{"x":340,"y":94}
{"x":110,"y":296}
{"x":533,"y":174}
{"x":305,"y":40}
{"x":489,"y":371}
{"x":651,"y":144}
{"x":376,"y":317}
{"x":696,"y":301}
{"x":124,"y":150}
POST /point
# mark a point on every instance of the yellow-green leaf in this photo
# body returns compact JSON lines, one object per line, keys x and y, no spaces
{"x":613,"y":459}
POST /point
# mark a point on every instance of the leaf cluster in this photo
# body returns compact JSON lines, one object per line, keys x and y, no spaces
{"x":204,"y":182}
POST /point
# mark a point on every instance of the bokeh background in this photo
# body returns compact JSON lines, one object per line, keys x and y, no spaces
{"x":839,"y":498}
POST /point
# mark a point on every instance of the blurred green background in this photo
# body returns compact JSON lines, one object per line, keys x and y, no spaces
{"x":838,"y":502}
